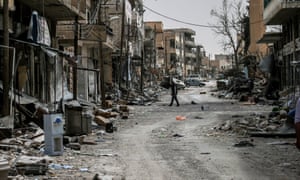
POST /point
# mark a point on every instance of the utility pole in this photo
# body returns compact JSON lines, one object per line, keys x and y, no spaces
{"x":166,"y":56}
{"x":142,"y":71}
{"x":155,"y":51}
{"x":101,"y":59}
{"x":74,"y":68}
{"x":127,"y":56}
{"x":121,"y":45}
{"x":6,"y":72}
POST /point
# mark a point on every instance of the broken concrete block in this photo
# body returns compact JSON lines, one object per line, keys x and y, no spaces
{"x":31,"y":165}
{"x":108,"y":103}
{"x":124,"y":115}
{"x":74,"y":146}
{"x":124,"y":108}
{"x":102,"y":121}
{"x":106,"y":114}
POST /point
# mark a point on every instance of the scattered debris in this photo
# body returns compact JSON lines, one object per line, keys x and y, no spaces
{"x":124,"y":111}
{"x":280,"y":143}
{"x":202,"y":108}
{"x":26,"y":165}
{"x":54,"y":166}
{"x":180,"y":118}
{"x":198,"y":117}
{"x":205,"y":153}
{"x":177,"y":135}
{"x":102,"y":121}
{"x":244,"y":144}
{"x":272,"y":134}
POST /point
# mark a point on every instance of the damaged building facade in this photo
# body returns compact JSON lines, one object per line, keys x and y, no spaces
{"x":86,"y":51}
{"x":154,"y":47}
{"x":70,"y":50}
{"x":181,"y":53}
{"x":171,"y":52}
{"x":284,"y":42}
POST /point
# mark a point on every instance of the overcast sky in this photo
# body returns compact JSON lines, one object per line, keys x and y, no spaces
{"x":192,"y":11}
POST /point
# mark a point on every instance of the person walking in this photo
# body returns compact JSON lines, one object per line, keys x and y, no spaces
{"x":173,"y":92}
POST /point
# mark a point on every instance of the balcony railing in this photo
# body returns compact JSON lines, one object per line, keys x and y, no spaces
{"x":277,"y":11}
{"x":59,"y":9}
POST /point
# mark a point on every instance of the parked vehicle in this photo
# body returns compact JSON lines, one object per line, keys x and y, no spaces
{"x":180,"y":84}
{"x":197,"y":76}
{"x":194,"y":82}
{"x":166,"y":83}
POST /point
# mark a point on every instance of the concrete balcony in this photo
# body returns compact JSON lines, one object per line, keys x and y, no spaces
{"x":190,"y":43}
{"x":88,"y":32}
{"x":190,"y":55}
{"x":278,"y":11}
{"x":59,"y":9}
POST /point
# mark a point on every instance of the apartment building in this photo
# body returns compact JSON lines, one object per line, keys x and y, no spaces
{"x":155,"y":50}
{"x":150,"y":53}
{"x":219,"y":64}
{"x":182,"y":52}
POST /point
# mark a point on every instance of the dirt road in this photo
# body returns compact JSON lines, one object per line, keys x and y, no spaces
{"x":153,"y":145}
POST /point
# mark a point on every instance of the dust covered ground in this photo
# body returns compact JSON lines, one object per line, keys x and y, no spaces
{"x":152,"y":145}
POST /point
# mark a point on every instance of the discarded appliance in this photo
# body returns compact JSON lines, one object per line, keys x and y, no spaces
{"x":53,"y":127}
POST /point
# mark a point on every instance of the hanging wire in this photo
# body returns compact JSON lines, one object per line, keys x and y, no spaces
{"x":189,"y":23}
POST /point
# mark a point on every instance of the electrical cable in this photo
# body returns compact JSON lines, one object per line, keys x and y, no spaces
{"x":183,"y":22}
{"x":189,"y":23}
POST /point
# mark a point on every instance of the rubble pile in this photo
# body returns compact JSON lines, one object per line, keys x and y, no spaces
{"x":25,"y":149}
{"x":254,"y":124}
{"x":257,"y":91}
{"x":24,"y":152}
{"x":239,"y":88}
{"x":133,"y":96}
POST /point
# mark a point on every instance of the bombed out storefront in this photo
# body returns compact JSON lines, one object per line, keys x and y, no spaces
{"x":40,"y":71}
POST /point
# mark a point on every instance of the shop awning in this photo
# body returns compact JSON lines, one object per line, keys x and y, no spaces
{"x":270,"y":37}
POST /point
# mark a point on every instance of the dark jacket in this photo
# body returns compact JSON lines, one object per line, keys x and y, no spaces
{"x":174,"y":89}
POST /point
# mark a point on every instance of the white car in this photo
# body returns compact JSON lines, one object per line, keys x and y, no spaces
{"x":180,"y":84}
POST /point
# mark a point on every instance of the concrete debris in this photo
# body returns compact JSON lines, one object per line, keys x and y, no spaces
{"x":54,"y":166}
{"x":257,"y":91}
{"x":102,"y":121}
{"x":280,"y":143}
{"x":205,"y":153}
{"x":253,"y":123}
{"x":124,"y":111}
{"x":244,"y":144}
{"x":31,"y":165}
{"x":193,"y":102}
{"x":178,"y":135}
{"x":74,"y":146}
